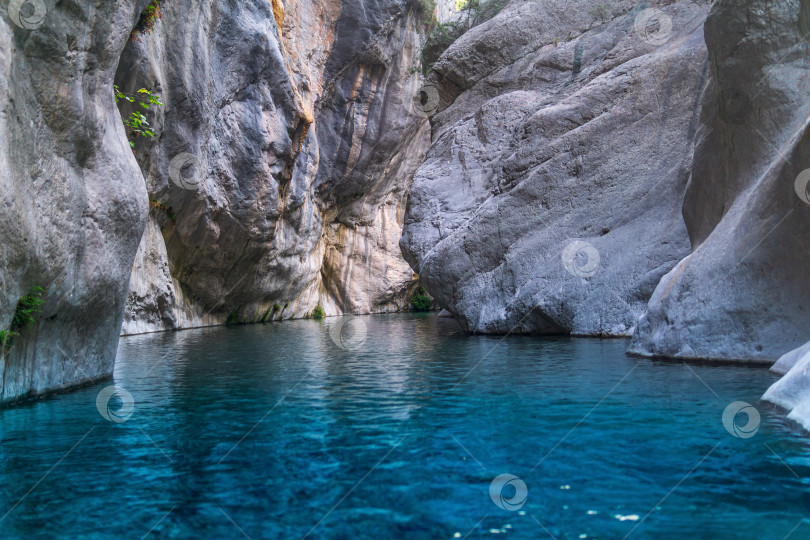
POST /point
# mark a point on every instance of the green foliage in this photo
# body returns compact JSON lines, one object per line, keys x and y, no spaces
{"x":442,"y":35}
{"x":24,"y":317}
{"x":266,"y":316}
{"x":421,"y":302}
{"x":6,"y":337}
{"x":318,"y":313}
{"x":428,"y":10}
{"x":271,"y":312}
{"x":136,"y":122}
{"x":157,"y":205}
{"x":149,"y":17}
{"x":28,"y":306}
{"x":233,"y":318}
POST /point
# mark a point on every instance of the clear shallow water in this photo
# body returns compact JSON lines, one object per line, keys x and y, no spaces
{"x":272,"y":431}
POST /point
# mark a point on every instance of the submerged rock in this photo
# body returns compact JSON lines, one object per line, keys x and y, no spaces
{"x":550,"y":200}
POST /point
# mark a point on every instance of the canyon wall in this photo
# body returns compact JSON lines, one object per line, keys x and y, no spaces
{"x":627,"y":169}
{"x":282,"y":159}
{"x":550,"y":200}
{"x":740,"y":294}
{"x":615,"y":169}
{"x":72,"y":200}
{"x":276,"y":180}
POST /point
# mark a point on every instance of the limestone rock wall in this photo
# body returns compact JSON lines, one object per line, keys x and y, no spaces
{"x":72,"y":200}
{"x":276,"y":180}
{"x":741,"y":293}
{"x":623,"y":169}
{"x":297,"y":126}
{"x":550,"y":200}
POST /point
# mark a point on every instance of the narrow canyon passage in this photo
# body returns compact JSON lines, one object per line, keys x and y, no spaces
{"x":404,"y":269}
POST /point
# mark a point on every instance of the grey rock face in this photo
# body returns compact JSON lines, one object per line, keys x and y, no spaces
{"x":276,"y":126}
{"x":550,"y":198}
{"x":300,"y":123}
{"x":740,"y":294}
{"x":72,"y":199}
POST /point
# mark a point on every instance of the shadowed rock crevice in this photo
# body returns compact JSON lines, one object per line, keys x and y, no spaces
{"x":292,"y":130}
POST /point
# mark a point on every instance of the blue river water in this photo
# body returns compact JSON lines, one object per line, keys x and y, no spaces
{"x":395,"y":426}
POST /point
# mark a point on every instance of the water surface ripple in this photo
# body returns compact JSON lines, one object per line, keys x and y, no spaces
{"x":272,"y":431}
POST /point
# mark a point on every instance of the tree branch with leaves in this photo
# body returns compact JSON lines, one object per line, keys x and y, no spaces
{"x":136,"y":122}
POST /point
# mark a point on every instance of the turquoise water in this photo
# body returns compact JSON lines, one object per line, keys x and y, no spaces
{"x":273,"y":431}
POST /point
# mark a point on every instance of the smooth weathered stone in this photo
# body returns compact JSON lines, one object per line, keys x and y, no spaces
{"x":550,"y":198}
{"x":788,"y":360}
{"x":792,"y":392}
{"x":741,"y":295}
{"x":72,"y":199}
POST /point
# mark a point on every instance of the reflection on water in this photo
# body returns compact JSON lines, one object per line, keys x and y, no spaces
{"x":396,"y":426}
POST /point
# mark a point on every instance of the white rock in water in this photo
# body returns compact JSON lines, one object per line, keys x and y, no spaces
{"x":788,"y":360}
{"x":792,"y":391}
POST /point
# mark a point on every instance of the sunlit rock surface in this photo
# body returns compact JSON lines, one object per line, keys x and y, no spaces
{"x":299,"y":129}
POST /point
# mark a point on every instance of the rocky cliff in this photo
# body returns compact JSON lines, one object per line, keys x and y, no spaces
{"x":627,"y":169}
{"x":73,"y":203}
{"x":740,"y":295}
{"x":276,"y":180}
{"x":588,"y":160}
{"x":281,"y":166}
{"x":550,"y":198}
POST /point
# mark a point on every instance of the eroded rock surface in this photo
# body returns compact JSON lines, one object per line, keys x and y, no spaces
{"x":741,"y":293}
{"x":300,"y":125}
{"x":550,"y":200}
{"x":72,"y":199}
